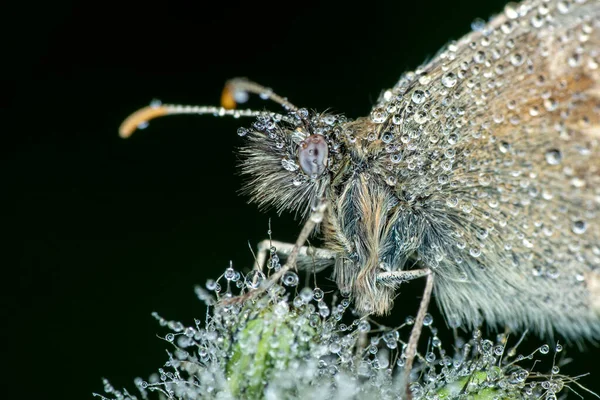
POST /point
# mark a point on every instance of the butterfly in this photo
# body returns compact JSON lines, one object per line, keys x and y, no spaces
{"x":480,"y":171}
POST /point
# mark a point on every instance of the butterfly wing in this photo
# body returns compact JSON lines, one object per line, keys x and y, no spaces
{"x":495,"y":145}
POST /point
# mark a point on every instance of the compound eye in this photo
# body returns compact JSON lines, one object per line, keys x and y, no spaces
{"x":312,"y":155}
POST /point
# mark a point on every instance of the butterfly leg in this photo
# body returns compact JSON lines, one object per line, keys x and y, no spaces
{"x":315,"y":217}
{"x":309,"y":258}
{"x":415,"y":333}
{"x":394,"y":279}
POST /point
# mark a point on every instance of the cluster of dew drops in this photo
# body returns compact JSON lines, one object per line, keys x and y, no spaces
{"x":328,"y":354}
{"x":434,"y":117}
{"x":431,"y":111}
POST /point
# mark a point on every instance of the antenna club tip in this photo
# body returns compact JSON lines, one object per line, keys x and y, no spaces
{"x":228,"y":98}
{"x":140,"y":118}
{"x":125,"y":133}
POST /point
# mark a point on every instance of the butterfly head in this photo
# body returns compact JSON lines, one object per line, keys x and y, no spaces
{"x":290,"y":161}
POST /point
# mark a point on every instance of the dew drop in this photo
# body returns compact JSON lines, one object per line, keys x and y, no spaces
{"x":425,"y":79}
{"x":290,"y":278}
{"x":298,"y":302}
{"x":563,"y":6}
{"x":454,"y":321}
{"x":229,"y":274}
{"x":329,"y":119}
{"x":427,"y":320}
{"x":430,"y":357}
{"x":289,"y":165}
{"x":335,"y":347}
{"x":537,"y":21}
{"x":478,"y":24}
{"x":579,"y":227}
{"x":475,"y":251}
{"x":452,"y":202}
{"x":421,"y":117}
{"x":544,"y":349}
{"x":324,"y":311}
{"x":418,"y":97}
{"x":396,"y":157}
{"x":479,"y":57}
{"x":485,"y":180}
{"x":306,"y":294}
{"x":553,"y":157}
{"x":211,"y":284}
{"x":552,"y":272}
{"x":534,"y":111}
{"x":516,"y":59}
{"x":558,"y":348}
{"x":364,"y":326}
{"x":574,"y":60}
{"x":510,"y":10}
{"x":387,"y":137}
{"x":317,"y":294}
{"x":281,"y":309}
{"x":504,"y":147}
{"x":303,"y":113}
{"x":378,"y":115}
{"x":550,"y":104}
{"x":449,"y":80}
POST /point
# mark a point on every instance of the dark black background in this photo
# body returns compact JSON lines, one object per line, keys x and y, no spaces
{"x":99,"y":231}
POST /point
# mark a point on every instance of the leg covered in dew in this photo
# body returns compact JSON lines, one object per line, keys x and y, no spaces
{"x":291,"y":263}
{"x":415,"y":334}
{"x":309,"y":258}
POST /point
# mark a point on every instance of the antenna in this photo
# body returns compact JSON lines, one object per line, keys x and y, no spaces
{"x":235,"y":91}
